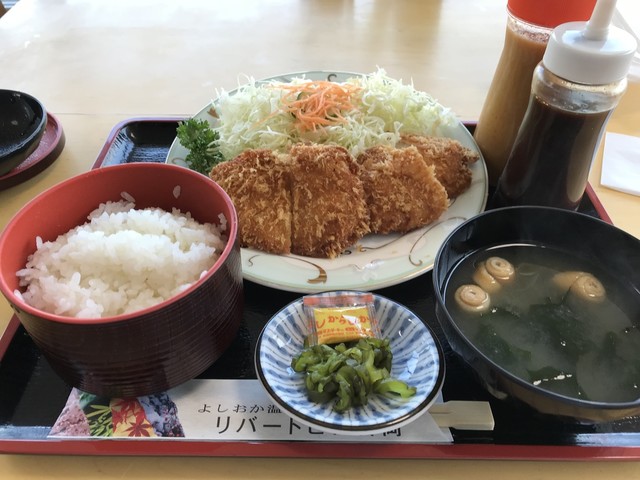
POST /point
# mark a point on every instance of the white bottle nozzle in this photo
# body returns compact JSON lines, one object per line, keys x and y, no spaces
{"x":598,"y":25}
{"x":593,"y":52}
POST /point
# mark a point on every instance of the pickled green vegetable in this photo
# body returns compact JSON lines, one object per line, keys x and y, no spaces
{"x":349,"y":373}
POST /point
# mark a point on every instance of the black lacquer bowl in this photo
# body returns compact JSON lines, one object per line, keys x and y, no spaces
{"x":602,"y":244}
{"x":22,"y":123}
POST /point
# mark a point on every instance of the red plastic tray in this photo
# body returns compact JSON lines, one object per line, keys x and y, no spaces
{"x":33,"y":395}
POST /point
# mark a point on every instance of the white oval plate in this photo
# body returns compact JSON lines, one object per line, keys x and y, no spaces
{"x":376,"y":261}
{"x":417,"y":360}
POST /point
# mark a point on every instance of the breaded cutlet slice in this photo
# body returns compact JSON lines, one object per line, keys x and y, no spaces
{"x":450,"y":158}
{"x":257,"y":182}
{"x":402,"y":191}
{"x":328,"y":202}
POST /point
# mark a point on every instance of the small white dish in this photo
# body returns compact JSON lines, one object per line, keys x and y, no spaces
{"x":418,"y":360}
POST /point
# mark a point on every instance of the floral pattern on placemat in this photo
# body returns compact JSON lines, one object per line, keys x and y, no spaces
{"x":89,"y":415}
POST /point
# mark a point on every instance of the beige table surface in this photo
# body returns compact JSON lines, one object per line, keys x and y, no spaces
{"x":94,"y":63}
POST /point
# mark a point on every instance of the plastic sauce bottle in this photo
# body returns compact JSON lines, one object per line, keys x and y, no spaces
{"x":529,"y":26}
{"x":574,"y":90}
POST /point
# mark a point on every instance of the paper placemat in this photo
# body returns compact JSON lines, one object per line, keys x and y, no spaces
{"x":215,"y":410}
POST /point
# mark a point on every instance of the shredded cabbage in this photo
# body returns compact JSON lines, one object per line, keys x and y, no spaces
{"x":251,"y":117}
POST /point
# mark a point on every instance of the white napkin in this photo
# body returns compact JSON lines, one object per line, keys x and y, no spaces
{"x":621,"y":163}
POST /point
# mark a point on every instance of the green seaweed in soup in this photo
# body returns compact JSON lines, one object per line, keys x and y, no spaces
{"x":541,"y":327}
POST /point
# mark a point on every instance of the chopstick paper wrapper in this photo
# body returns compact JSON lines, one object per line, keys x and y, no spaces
{"x":239,"y":410}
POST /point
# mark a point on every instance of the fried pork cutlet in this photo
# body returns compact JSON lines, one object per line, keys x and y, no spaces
{"x":329,"y":209}
{"x":449,"y":157}
{"x":256,"y":181}
{"x":402,"y":192}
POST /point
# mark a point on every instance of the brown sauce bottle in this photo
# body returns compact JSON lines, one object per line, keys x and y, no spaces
{"x":574,"y":90}
{"x":550,"y":161}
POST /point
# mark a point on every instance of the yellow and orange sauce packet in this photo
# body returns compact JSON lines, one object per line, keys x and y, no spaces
{"x":340,"y":318}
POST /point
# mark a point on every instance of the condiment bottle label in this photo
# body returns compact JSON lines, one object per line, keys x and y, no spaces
{"x":340,"y":318}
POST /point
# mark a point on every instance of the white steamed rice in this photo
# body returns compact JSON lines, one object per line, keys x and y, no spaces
{"x":122,"y":260}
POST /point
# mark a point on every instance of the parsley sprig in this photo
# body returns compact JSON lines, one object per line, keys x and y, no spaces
{"x":201,"y":140}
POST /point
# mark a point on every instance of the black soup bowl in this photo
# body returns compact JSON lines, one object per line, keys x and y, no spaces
{"x":561,"y":332}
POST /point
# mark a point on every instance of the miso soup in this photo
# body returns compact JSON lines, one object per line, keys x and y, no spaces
{"x":541,"y":327}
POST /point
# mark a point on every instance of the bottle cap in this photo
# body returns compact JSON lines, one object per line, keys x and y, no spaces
{"x":593,"y":52}
{"x":550,"y":13}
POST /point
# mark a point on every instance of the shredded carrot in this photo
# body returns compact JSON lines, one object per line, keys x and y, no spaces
{"x":318,"y":103}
